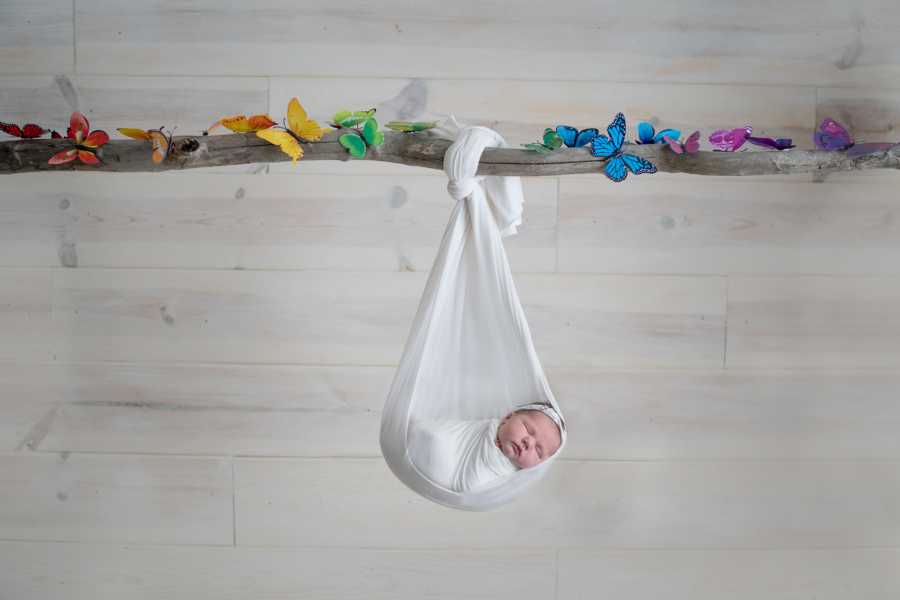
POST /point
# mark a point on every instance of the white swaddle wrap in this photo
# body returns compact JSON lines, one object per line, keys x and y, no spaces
{"x":469,"y":359}
{"x":459,"y":455}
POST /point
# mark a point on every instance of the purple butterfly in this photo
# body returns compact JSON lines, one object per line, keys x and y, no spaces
{"x":690,"y":146}
{"x":730,"y":140}
{"x":767,"y":142}
{"x":832,"y":136}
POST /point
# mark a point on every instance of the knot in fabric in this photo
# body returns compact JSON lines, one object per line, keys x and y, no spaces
{"x":502,"y":194}
{"x":462,"y":158}
{"x":460,"y":188}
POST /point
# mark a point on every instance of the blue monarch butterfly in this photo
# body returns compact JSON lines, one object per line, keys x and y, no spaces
{"x":575,"y":139}
{"x":611,"y":149}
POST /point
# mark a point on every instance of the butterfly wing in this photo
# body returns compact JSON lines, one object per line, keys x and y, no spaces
{"x":410,"y":126}
{"x":78,"y":127}
{"x":718,"y":139}
{"x":692,"y":144}
{"x":300,"y":123}
{"x":539,"y":148}
{"x":371,"y":134}
{"x":765,"y":142}
{"x":638,"y":165}
{"x":160,"y":145}
{"x":616,"y":130}
{"x":61,"y":158}
{"x":603,"y":147}
{"x":674,"y":145}
{"x":615,"y":169}
{"x":243,"y":123}
{"x":739,"y":136}
{"x":585,"y":136}
{"x":672,"y":133}
{"x":568,"y":134}
{"x":646,"y":132}
{"x":88,"y":158}
{"x":95,"y":139}
{"x":137,"y":134}
{"x":11,"y":129}
{"x":552,"y":139}
{"x":284,"y":140}
{"x":354,"y":144}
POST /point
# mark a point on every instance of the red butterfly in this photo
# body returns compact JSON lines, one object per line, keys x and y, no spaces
{"x":28,"y":131}
{"x":85,"y":142}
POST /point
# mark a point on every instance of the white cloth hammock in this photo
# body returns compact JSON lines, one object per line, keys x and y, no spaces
{"x":469,"y":356}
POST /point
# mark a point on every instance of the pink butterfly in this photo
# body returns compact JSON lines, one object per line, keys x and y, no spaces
{"x":690,"y":146}
{"x":832,"y":136}
{"x":730,"y":140}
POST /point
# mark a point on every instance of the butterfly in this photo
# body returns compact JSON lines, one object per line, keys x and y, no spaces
{"x":161,"y":143}
{"x":648,"y":135}
{"x":85,"y":142}
{"x":573,"y":138}
{"x":347,"y":118}
{"x":690,"y":146}
{"x":831,"y":135}
{"x":243,"y":123}
{"x":300,"y":128}
{"x":356,"y":143}
{"x":410,"y":126}
{"x":611,"y":149}
{"x":729,"y":140}
{"x":550,"y":142}
{"x":767,"y":142}
{"x":29,"y":131}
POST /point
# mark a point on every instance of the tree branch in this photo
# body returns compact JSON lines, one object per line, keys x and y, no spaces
{"x":425,"y":150}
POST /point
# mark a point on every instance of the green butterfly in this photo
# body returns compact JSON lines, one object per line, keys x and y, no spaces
{"x":347,"y":118}
{"x":410,"y":126}
{"x":356,"y":143}
{"x":551,"y":142}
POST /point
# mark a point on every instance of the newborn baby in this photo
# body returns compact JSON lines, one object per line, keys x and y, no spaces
{"x":466,"y":455}
{"x":528,"y":437}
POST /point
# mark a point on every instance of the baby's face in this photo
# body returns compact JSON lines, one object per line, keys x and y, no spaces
{"x":528,"y":437}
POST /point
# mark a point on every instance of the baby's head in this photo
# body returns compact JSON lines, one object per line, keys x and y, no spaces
{"x":528,"y":437}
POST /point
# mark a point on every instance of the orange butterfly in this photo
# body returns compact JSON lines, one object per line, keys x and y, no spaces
{"x":162,"y":144}
{"x":244,"y":124}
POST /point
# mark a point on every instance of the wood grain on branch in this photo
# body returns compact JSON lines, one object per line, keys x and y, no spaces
{"x":424,"y":150}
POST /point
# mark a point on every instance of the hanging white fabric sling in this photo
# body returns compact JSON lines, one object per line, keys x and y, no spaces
{"x":469,"y":357}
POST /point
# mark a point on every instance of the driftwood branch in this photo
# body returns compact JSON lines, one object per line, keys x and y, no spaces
{"x":424,"y":150}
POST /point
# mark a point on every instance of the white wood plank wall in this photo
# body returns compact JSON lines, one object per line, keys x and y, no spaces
{"x":192,"y":365}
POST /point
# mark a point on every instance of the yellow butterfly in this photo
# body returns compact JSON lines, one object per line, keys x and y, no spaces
{"x":300,"y":129}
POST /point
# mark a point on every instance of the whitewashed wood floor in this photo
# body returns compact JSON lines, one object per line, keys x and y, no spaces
{"x":192,"y":365}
